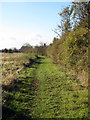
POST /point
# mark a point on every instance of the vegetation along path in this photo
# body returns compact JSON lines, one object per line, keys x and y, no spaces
{"x":45,"y":91}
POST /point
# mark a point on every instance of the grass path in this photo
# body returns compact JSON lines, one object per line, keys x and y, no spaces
{"x":45,"y":91}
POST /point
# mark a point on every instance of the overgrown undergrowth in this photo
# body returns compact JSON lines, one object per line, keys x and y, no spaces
{"x":44,"y":91}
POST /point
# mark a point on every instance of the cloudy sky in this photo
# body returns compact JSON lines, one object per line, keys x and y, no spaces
{"x":28,"y":22}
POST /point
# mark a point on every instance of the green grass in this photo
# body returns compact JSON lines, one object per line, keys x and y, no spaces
{"x":45,"y":91}
{"x":59,"y":94}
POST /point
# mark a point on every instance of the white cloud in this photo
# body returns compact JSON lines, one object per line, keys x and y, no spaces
{"x":12,"y":37}
{"x":16,"y":37}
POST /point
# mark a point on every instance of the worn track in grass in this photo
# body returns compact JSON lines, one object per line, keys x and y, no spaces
{"x":45,"y":91}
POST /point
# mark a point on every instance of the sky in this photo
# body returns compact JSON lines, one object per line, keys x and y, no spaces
{"x":28,"y":22}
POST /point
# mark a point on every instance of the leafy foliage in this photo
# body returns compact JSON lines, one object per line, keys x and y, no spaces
{"x":71,"y":48}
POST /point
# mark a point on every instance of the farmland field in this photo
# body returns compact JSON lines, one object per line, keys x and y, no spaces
{"x":37,"y":88}
{"x":12,"y":64}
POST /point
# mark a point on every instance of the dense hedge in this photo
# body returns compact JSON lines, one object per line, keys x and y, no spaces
{"x":71,"y":48}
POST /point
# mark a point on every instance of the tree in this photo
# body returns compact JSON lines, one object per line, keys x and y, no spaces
{"x":80,"y":14}
{"x":15,"y":50}
{"x":41,"y":50}
{"x":5,"y":50}
{"x":65,"y":25}
{"x":10,"y":51}
{"x":27,"y":48}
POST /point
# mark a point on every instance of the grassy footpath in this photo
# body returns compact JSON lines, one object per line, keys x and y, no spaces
{"x":45,"y":91}
{"x":59,"y":94}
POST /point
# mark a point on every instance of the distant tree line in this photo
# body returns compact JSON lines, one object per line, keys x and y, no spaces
{"x":27,"y":48}
{"x":39,"y":49}
{"x":9,"y":50}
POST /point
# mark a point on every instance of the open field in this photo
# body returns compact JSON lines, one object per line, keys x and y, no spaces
{"x":43,"y":90}
{"x":12,"y":64}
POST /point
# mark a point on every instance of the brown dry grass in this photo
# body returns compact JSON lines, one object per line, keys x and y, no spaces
{"x":12,"y":64}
